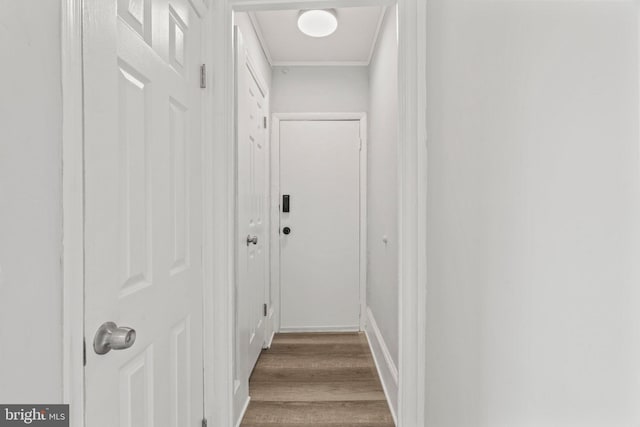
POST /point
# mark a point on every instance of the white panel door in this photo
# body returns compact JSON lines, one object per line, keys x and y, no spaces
{"x":143,"y":210}
{"x":319,"y":258}
{"x":253,"y":193}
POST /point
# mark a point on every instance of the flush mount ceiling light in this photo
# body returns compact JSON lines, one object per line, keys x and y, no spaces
{"x":318,"y":23}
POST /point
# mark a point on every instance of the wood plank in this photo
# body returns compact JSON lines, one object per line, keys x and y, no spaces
{"x":319,"y":338}
{"x":305,"y":391}
{"x":311,"y":413}
{"x":287,"y":360}
{"x":327,"y":349}
{"x":279,"y":374}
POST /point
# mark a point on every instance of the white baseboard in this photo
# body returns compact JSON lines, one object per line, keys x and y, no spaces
{"x":244,"y":410}
{"x":384,"y":364}
{"x":290,"y":329}
{"x":270,"y":340}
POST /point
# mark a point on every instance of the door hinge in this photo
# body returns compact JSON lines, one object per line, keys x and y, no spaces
{"x":264,"y":122}
{"x":360,"y":147}
{"x":203,"y":76}
{"x":264,"y":310}
{"x":204,"y":422}
{"x":84,"y":352}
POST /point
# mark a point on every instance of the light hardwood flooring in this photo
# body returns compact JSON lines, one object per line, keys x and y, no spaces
{"x":318,"y":380}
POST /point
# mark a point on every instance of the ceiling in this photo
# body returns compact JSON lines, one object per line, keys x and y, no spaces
{"x":351,"y":44}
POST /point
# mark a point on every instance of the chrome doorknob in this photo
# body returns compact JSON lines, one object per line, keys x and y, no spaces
{"x":111,"y":337}
{"x":251,"y":240}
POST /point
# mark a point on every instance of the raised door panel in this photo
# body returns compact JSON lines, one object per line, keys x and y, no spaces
{"x":177,"y":41}
{"x":137,"y":391}
{"x":135,"y":233}
{"x":137,"y":14}
{"x":179,"y":186}
{"x":180,"y":382}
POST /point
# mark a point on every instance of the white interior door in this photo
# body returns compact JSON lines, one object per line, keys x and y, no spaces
{"x":320,"y":235}
{"x":143,"y":211}
{"x":252,"y":210}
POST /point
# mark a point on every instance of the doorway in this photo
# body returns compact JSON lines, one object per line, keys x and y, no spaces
{"x":319,"y":195}
{"x":319,"y":177}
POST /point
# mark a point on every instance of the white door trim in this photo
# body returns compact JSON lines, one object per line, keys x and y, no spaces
{"x":217,"y":263}
{"x":412,"y":215}
{"x":72,"y":211}
{"x":275,"y":203}
{"x":220,"y":207}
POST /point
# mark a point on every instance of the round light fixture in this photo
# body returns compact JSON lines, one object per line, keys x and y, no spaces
{"x":318,"y":23}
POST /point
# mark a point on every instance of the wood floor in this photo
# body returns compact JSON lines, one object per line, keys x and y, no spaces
{"x":318,"y":380}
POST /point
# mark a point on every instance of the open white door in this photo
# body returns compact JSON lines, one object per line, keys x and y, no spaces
{"x":143,"y":207}
{"x":253,"y":181}
{"x":320,"y":225}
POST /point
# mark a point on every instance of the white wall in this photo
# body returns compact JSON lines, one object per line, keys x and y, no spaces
{"x":382,"y":209}
{"x":30,"y":203}
{"x":534,"y":281}
{"x":319,"y":89}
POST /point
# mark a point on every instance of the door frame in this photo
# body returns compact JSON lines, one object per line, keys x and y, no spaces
{"x":72,"y":211}
{"x":275,"y":210}
{"x":219,"y":207}
{"x":412,"y":191}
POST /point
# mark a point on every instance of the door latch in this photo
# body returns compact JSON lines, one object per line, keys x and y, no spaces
{"x":203,"y":76}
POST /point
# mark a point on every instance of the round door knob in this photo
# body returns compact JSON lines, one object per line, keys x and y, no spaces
{"x":286,"y":230}
{"x":111,"y":337}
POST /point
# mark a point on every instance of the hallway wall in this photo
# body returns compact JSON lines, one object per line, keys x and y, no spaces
{"x":320,"y":89}
{"x":30,"y":203}
{"x":382,"y":186}
{"x":533,"y":275}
